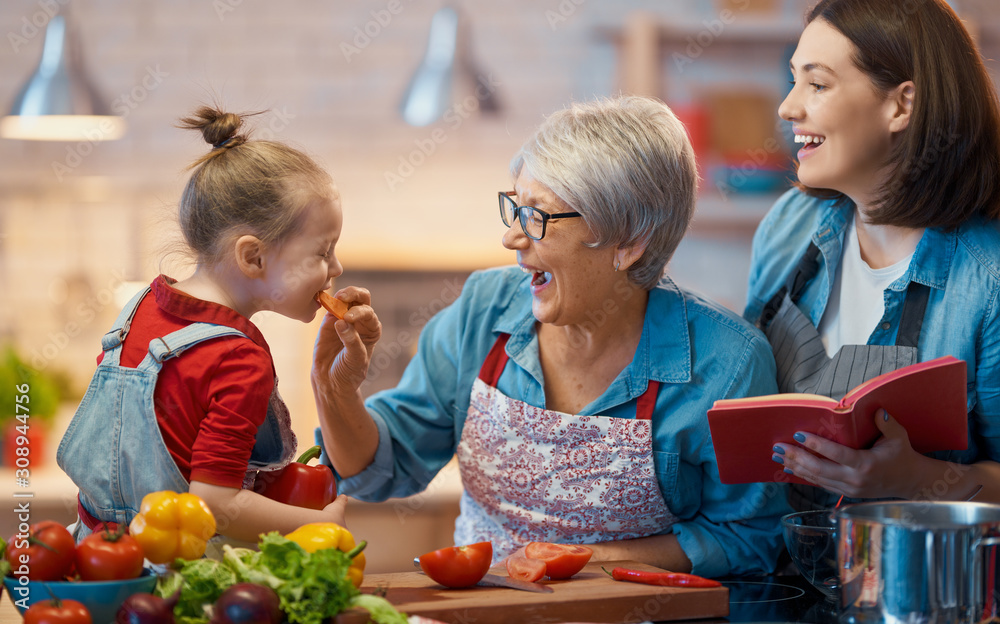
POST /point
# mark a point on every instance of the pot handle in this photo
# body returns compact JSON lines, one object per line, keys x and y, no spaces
{"x":984,"y":586}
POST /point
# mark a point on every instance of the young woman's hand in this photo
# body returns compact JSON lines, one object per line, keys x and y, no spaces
{"x":344,"y":348}
{"x":891,"y":468}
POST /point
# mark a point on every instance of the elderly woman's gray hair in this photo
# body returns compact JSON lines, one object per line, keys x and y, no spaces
{"x":627,"y":166}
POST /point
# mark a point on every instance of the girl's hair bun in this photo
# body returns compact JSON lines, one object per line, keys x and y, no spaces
{"x":218,"y":128}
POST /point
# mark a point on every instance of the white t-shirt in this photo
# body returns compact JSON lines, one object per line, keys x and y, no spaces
{"x":857,"y":301}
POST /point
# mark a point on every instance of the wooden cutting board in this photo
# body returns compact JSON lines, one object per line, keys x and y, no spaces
{"x":590,"y":596}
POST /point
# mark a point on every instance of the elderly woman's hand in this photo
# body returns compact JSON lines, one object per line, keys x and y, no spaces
{"x":344,"y":348}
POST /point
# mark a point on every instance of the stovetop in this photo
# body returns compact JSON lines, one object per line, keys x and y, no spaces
{"x":778,"y":599}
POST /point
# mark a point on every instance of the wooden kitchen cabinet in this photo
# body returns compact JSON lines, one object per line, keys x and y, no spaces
{"x":724,"y":76}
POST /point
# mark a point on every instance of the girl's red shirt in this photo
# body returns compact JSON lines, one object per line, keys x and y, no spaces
{"x":210,"y":400}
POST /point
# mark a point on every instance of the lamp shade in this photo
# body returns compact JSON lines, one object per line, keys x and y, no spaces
{"x":59,"y":102}
{"x":429,"y":93}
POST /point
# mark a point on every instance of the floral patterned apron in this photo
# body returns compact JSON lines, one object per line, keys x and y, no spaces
{"x":532,"y":474}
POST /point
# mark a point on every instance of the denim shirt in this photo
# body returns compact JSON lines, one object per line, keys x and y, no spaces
{"x":698,"y":351}
{"x":961,"y":267}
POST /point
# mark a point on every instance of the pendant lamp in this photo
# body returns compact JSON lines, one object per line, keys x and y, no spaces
{"x":59,"y":102}
{"x":430,"y":92}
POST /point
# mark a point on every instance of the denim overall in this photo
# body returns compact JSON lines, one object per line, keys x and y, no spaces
{"x":113,"y":449}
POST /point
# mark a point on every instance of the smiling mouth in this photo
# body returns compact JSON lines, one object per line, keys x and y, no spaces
{"x":809,"y":141}
{"x":538,"y":278}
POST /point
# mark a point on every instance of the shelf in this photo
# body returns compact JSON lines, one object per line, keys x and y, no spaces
{"x":742,"y":31}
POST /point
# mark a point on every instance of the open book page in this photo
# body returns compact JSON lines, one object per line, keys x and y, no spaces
{"x":788,"y":398}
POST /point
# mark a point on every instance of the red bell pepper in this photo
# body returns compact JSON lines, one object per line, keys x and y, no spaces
{"x":299,"y":484}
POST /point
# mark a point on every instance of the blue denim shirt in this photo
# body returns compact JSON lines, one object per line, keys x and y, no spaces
{"x":698,"y":351}
{"x":962,"y":268}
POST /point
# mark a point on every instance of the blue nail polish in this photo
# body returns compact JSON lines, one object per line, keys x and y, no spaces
{"x":799,"y":437}
{"x":778,"y":459}
{"x":885,"y":416}
{"x":789,"y":471}
{"x":778,"y":450}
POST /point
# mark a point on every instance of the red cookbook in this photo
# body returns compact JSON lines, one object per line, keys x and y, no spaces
{"x":928,"y":399}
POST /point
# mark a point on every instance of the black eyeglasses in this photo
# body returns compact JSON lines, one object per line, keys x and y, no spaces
{"x":532,"y":219}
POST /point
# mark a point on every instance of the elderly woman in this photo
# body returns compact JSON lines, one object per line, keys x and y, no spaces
{"x":573,"y":388}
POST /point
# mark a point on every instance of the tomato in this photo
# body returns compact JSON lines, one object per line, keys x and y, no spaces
{"x":458,"y":566}
{"x":523,"y":568}
{"x":108,"y":556}
{"x":49,"y":548}
{"x":57,"y":612}
{"x":561,"y":560}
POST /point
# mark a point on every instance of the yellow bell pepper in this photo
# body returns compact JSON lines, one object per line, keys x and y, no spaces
{"x":171,"y":525}
{"x":319,"y":535}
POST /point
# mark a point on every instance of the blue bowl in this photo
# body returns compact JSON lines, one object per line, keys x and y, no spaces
{"x":102,"y":598}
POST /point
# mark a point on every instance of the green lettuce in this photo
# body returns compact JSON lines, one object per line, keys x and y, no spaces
{"x":202,"y":581}
{"x":311,"y":587}
{"x":379,"y":609}
{"x":319,"y":587}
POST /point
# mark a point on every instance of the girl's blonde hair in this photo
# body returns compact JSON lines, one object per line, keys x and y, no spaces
{"x":244,"y":186}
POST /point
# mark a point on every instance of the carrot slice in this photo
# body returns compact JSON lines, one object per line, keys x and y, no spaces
{"x":333,"y":305}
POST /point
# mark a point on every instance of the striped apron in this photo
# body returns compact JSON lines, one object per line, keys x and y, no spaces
{"x":803,"y":365}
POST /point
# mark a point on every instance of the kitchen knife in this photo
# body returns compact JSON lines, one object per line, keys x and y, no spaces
{"x":495,"y":580}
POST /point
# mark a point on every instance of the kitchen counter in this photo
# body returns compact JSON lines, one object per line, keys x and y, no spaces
{"x":766,"y":599}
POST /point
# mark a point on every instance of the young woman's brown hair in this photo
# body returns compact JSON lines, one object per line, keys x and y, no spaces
{"x":946,"y":167}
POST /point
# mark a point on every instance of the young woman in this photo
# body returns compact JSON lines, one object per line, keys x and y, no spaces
{"x":888,"y":252}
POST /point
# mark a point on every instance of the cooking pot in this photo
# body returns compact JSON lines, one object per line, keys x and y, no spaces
{"x":914,"y":561}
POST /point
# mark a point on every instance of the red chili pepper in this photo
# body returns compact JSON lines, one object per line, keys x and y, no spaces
{"x":298,"y":484}
{"x":666,"y":579}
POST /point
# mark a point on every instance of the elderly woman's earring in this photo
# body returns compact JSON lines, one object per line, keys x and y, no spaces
{"x":618,"y":264}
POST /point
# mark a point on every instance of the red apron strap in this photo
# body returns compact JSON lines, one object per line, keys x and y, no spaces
{"x":645,"y":403}
{"x":92,"y":523}
{"x":497,"y":358}
{"x":493,"y":365}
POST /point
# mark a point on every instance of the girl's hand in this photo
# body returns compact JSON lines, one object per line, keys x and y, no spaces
{"x":891,"y":468}
{"x":344,"y":348}
{"x":335,"y":511}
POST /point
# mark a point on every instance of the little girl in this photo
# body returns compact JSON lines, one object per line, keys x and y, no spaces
{"x":185,"y":396}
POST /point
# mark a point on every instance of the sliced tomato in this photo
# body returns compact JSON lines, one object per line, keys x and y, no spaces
{"x":561,"y":560}
{"x":458,"y":566}
{"x":524,"y":568}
